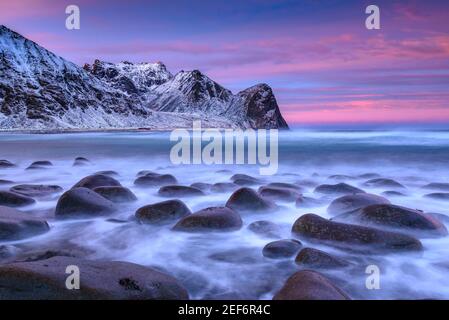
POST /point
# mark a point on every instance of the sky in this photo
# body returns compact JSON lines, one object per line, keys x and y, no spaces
{"x":325,"y":67}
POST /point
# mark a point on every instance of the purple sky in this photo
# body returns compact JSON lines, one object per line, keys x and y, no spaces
{"x":325,"y":67}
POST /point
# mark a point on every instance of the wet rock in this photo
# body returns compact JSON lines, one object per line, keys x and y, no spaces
{"x":247,"y":199}
{"x":353,"y":202}
{"x":116,"y":194}
{"x":12,"y":199}
{"x":66,"y":249}
{"x":179,"y":191}
{"x":155,"y":180}
{"x":392,"y":193}
{"x":438,"y":196}
{"x":16,"y":225}
{"x":308,"y":202}
{"x":397,"y":217}
{"x":36,"y":190}
{"x":337,"y":189}
{"x":97,"y":180}
{"x":162,"y":212}
{"x":266,"y":229}
{"x":310,"y":285}
{"x":285,"y":185}
{"x":40,"y":165}
{"x":224,"y":187}
{"x":341,"y":177}
{"x":437,"y":186}
{"x":5,"y":182}
{"x":110,"y":173}
{"x":145,"y":172}
{"x":314,"y":258}
{"x":210,"y":219}
{"x":314,"y":227}
{"x":281,"y":249}
{"x":82,"y":203}
{"x":202,"y":186}
{"x":439,"y":216}
{"x":100,"y":280}
{"x":80,"y":161}
{"x":245,"y":180}
{"x":277,"y":193}
{"x":383,"y":183}
{"x":369,"y":176}
{"x":6,"y":164}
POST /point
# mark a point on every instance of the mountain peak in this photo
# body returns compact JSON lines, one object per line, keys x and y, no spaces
{"x":40,"y":90}
{"x":130,"y":77}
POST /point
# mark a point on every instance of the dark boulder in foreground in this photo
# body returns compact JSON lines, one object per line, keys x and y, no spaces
{"x":265,"y":229}
{"x":383,"y":183}
{"x":6,"y":164}
{"x":116,"y":194}
{"x":310,"y":285}
{"x":16,"y":225}
{"x":353,"y":202}
{"x":314,"y":227}
{"x":80,"y":161}
{"x":97,"y":180}
{"x":179,"y":191}
{"x":337,"y":189}
{"x":210,"y":219}
{"x":162,"y":212}
{"x":46,"y":280}
{"x":155,"y":180}
{"x":36,"y":190}
{"x":12,"y":199}
{"x":278,"y":193}
{"x":314,"y":258}
{"x":442,"y":196}
{"x":247,"y":199}
{"x":40,"y":165}
{"x":83,"y":203}
{"x":397,"y":217}
{"x":281,"y":249}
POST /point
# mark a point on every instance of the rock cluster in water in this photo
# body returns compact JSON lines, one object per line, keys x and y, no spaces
{"x":361,"y":225}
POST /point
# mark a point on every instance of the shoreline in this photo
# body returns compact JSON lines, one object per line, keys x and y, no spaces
{"x":66,"y":131}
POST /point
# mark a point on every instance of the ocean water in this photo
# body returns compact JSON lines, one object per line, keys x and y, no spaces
{"x":231,"y":264}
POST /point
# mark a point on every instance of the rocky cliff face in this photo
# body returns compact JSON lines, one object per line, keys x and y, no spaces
{"x":39,"y":90}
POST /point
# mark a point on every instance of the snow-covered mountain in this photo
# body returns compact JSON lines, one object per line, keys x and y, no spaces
{"x":39,"y":90}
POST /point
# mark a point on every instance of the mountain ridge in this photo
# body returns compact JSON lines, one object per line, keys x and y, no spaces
{"x":40,"y":90}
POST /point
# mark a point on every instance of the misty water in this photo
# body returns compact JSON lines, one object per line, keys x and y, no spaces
{"x":231,"y":264}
